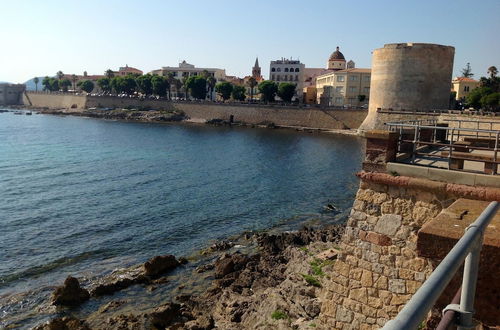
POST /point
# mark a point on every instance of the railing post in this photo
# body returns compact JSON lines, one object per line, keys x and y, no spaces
{"x":469,"y":282}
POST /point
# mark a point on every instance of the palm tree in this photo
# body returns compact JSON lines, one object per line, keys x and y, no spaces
{"x":36,"y":80}
{"x":60,"y":74}
{"x":186,"y":89}
{"x":252,"y":82}
{"x":178,"y":86}
{"x":109,"y":73}
{"x":211,"y":81}
{"x":492,"y":70}
{"x":170,"y":80}
{"x":74,"y":78}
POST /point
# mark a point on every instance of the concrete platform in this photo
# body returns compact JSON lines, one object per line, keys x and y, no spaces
{"x":438,"y":236}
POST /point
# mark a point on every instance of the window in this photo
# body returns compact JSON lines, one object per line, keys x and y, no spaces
{"x":339,"y":89}
{"x":297,"y":70}
{"x":278,"y":69}
{"x":366,"y":90}
{"x":286,"y":76}
{"x":338,"y":100}
{"x":340,"y":78}
{"x":279,"y":78}
{"x":367,"y":78}
{"x":273,"y":69}
{"x":296,"y":78}
{"x":272,"y":77}
{"x":466,"y":88}
{"x":353,"y":89}
{"x":353,"y":78}
{"x":286,"y":69}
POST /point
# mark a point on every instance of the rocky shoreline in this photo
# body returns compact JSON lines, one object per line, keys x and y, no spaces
{"x":276,"y":282}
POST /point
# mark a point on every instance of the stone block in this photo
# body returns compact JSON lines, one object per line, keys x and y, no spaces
{"x":397,"y":286}
{"x":352,"y":305}
{"x":344,"y":315}
{"x":342,"y":280}
{"x":388,"y":224}
{"x":375,"y":302}
{"x":353,"y":284}
{"x":406,"y":274}
{"x":375,"y":238}
{"x":378,"y":268}
{"x":352,"y":260}
{"x":412,"y":286}
{"x":420,"y":276}
{"x":342,"y":268}
{"x":382,"y":283}
{"x":366,"y":279}
{"x":385,"y":296}
{"x":398,"y":299}
{"x":369,"y":311}
{"x":356,"y":273}
{"x":339,"y":289}
{"x":370,"y":320}
{"x":360,"y":295}
{"x":417,"y":264}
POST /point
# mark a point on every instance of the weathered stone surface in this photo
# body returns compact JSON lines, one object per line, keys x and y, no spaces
{"x":360,"y":295}
{"x":160,"y":265}
{"x":388,"y":224}
{"x":344,"y":315}
{"x":342,"y":268}
{"x":366,"y":279}
{"x":64,"y":323}
{"x":70,"y":293}
{"x":397,"y":286}
{"x":163,"y":316}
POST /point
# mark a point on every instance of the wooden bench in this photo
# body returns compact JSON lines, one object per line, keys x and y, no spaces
{"x":462,"y":146}
{"x":482,"y":141}
{"x":458,"y":158}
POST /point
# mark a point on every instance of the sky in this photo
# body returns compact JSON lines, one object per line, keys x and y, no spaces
{"x":39,"y":38}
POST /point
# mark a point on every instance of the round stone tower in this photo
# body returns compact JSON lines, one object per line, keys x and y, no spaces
{"x":409,"y":77}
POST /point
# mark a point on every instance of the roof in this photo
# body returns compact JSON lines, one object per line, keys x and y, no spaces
{"x":337,"y":55}
{"x":464,"y":79}
{"x":355,"y":70}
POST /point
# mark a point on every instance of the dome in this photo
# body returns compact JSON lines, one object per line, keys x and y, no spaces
{"x":337,"y":55}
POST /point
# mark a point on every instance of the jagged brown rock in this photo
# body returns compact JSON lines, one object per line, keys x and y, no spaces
{"x":160,"y":265}
{"x":70,"y":293}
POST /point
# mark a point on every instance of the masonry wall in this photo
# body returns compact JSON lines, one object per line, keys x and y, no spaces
{"x":54,"y":101}
{"x":378,"y":269}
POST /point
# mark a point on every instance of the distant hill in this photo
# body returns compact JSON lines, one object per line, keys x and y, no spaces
{"x":30,"y":84}
{"x":4,"y":82}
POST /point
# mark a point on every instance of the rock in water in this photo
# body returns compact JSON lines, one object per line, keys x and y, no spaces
{"x":64,"y":323}
{"x":70,"y":293}
{"x":224,"y":266}
{"x":159,"y":265}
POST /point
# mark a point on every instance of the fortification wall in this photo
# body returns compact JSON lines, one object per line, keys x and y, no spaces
{"x":125,"y":102}
{"x":282,"y":116}
{"x":54,"y":101}
{"x":378,"y":269}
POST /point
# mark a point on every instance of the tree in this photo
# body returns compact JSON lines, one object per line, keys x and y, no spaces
{"x":74,"y":79}
{"x":252,"y":82}
{"x":178,"y":86}
{"x":492,"y":70}
{"x":144,"y":84}
{"x":491,"y":101}
{"x":238,"y":93}
{"x":60,"y":74}
{"x":104,"y":84}
{"x":109,"y":73}
{"x":286,"y":91}
{"x":86,"y":85}
{"x":64,"y":84}
{"x":159,"y":85}
{"x":123,"y":84}
{"x":268,"y":90}
{"x":224,"y":89}
{"x":467,"y":71}
{"x":171,"y":81}
{"x":46,"y":84}
{"x":211,"y":82}
{"x":54,"y":85}
{"x":36,"y":80}
{"x":197,"y":86}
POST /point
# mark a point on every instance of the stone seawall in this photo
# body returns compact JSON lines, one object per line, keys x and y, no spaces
{"x":250,"y":114}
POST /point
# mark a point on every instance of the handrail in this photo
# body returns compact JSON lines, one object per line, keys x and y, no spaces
{"x":467,"y":248}
{"x":399,"y":124}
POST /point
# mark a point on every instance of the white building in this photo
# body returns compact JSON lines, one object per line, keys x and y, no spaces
{"x":185,"y":70}
{"x":290,"y":71}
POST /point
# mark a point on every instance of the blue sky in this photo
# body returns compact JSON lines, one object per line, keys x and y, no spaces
{"x":39,"y":38}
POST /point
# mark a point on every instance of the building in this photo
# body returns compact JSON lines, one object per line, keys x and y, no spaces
{"x":345,"y":87}
{"x":290,"y":71}
{"x":462,"y":86}
{"x":337,"y":61}
{"x":257,"y":75}
{"x":11,"y":94}
{"x":125,"y":70}
{"x":186,"y":70}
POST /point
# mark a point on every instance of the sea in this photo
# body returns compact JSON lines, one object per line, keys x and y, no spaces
{"x":83,"y":197}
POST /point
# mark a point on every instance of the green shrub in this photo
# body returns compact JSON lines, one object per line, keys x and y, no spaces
{"x":311,"y":280}
{"x":279,"y":315}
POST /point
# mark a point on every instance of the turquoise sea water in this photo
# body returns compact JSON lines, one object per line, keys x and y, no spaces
{"x":83,"y":196}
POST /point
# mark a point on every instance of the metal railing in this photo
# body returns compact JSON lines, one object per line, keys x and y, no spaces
{"x":421,"y":137}
{"x":468,"y":248}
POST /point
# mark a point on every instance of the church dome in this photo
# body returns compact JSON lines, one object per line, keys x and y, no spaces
{"x":337,"y":55}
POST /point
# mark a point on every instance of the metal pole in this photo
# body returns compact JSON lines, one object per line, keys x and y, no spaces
{"x":469,"y":286}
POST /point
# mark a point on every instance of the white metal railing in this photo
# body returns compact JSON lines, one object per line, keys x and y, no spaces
{"x":468,"y":248}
